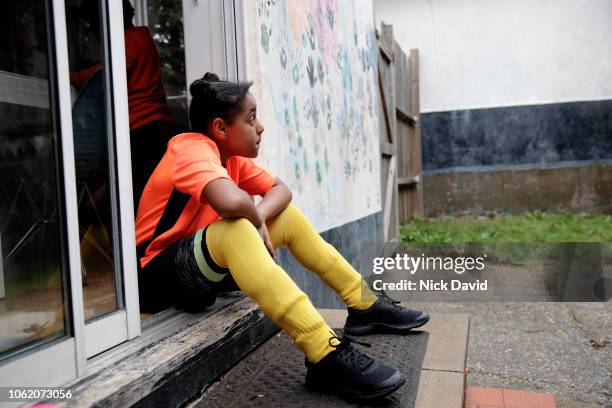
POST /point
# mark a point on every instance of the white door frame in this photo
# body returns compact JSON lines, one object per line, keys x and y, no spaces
{"x":124,"y":169}
{"x":214,"y":39}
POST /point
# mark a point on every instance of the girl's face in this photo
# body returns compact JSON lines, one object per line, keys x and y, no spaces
{"x":243,"y":136}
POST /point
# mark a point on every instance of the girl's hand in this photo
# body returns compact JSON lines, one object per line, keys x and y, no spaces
{"x":263,"y":233}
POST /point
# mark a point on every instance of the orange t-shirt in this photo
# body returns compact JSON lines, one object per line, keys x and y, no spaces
{"x":171,"y":206}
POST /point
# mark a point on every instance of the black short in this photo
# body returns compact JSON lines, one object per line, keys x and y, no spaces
{"x":173,"y":277}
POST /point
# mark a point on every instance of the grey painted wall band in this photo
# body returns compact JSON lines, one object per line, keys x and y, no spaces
{"x":550,"y":133}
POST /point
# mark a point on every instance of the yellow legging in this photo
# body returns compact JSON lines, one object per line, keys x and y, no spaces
{"x":236,"y":244}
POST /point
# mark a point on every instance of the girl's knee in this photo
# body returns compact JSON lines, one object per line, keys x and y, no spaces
{"x":227,"y":230}
{"x":239,"y":226}
{"x":240,"y":223}
{"x":292,"y":210}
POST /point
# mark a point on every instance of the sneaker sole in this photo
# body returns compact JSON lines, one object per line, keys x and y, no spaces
{"x":356,"y":395}
{"x":364,"y":329}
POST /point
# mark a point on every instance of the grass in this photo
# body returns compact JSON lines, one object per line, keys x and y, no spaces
{"x":495,"y":230}
{"x":535,"y":226}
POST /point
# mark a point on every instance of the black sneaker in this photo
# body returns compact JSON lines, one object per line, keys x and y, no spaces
{"x":384,"y":316}
{"x":351,"y":374}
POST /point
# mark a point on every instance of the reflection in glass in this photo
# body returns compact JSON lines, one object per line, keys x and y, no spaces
{"x":90,"y":121}
{"x":165,"y":20}
{"x":33,"y":301}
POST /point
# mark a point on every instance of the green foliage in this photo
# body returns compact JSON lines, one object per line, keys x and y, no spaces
{"x":165,"y":20}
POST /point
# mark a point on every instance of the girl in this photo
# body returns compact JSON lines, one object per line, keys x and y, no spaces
{"x":198,"y":232}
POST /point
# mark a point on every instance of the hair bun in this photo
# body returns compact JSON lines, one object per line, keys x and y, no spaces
{"x":201,"y":88}
{"x":210,"y":77}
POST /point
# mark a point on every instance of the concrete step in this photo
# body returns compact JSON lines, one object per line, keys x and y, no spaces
{"x":442,"y":381}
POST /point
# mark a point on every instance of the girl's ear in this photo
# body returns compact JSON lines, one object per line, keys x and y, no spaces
{"x":217,"y":128}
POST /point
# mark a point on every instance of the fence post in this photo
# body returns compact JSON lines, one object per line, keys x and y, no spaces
{"x":416,"y":165}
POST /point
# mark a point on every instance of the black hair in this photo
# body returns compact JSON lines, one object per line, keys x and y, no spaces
{"x":213,"y":98}
{"x":128,"y":13}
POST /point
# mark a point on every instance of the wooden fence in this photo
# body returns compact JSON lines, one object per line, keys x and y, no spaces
{"x":400,"y":133}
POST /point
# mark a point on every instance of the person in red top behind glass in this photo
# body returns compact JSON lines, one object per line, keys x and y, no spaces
{"x":151,"y":124}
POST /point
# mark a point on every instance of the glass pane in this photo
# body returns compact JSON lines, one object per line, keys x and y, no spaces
{"x":91,"y":123}
{"x":165,"y":21}
{"x":33,"y":298}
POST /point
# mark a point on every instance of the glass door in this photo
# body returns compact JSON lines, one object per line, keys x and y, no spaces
{"x":40,"y":320}
{"x":92,"y":121}
{"x":68,"y":280}
{"x":97,"y":71}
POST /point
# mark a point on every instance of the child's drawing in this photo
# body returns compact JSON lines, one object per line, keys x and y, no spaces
{"x":314,"y":67}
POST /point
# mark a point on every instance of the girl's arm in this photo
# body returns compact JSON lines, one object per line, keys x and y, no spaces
{"x":275,"y":200}
{"x":229,"y":201}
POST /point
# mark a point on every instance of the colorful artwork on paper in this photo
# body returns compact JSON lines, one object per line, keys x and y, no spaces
{"x":313,"y":63}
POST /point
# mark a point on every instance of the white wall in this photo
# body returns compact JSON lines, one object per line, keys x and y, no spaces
{"x":491,"y":53}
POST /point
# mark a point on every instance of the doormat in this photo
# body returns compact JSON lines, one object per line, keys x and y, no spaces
{"x":273,"y":375}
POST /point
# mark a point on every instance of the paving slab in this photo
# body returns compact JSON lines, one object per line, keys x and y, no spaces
{"x":560,"y":348}
{"x":439,"y":389}
{"x":447,"y":348}
{"x":443,"y":372}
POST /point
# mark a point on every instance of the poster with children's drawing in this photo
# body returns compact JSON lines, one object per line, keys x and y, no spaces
{"x":313,"y":63}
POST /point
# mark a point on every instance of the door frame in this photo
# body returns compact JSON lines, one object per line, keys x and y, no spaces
{"x":214,"y":34}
